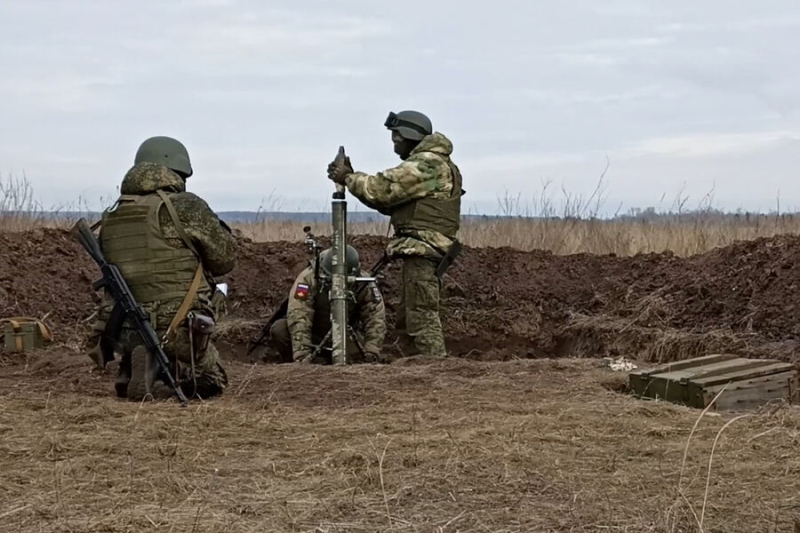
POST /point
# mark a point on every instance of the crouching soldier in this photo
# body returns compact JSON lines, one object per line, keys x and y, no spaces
{"x":308,"y":316}
{"x":167,"y":244}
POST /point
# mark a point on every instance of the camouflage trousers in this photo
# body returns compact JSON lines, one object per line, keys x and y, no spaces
{"x":282,"y":340}
{"x":209,"y":377}
{"x":418,"y":321}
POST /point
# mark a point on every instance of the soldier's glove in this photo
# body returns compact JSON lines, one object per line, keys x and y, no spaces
{"x":339,"y":169}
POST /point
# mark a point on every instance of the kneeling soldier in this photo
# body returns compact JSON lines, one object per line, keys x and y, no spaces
{"x":308,"y":317}
{"x":167,"y":244}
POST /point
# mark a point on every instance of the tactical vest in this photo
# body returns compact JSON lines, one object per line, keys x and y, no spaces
{"x":132,"y":239}
{"x":442,"y":215}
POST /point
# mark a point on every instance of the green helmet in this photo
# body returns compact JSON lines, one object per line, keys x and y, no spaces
{"x":165,"y":151}
{"x":351,"y":259}
{"x":411,"y":125}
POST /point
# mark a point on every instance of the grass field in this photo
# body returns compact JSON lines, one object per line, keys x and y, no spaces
{"x":567,"y":227}
{"x":451,"y":446}
{"x":683,"y":235}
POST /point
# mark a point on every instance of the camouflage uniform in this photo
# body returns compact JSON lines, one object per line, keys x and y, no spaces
{"x":216,"y":248}
{"x":308,"y":320}
{"x":422,"y":196}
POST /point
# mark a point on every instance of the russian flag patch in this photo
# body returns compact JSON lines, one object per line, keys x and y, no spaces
{"x":301,"y":292}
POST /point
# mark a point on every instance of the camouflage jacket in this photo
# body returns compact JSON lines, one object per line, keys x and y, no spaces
{"x":426,"y":172}
{"x":308,"y":314}
{"x":211,"y":237}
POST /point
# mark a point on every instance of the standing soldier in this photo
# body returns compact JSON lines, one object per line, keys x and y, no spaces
{"x":308,"y":316}
{"x":422,"y":195}
{"x":167,"y":244}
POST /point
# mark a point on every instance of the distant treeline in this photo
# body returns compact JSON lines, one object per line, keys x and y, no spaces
{"x":311,"y":217}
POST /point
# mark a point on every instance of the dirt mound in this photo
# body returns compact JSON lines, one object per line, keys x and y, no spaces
{"x":45,"y":273}
{"x":499,"y":303}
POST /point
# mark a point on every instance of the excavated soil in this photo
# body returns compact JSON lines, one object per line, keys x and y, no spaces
{"x":450,"y":445}
{"x":498,"y":303}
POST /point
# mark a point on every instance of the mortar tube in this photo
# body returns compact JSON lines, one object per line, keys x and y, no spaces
{"x":338,"y":293}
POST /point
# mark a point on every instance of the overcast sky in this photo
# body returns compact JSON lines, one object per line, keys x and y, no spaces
{"x":680,"y":95}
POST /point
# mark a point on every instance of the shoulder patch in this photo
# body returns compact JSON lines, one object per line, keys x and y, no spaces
{"x":301,"y":292}
{"x":376,"y":294}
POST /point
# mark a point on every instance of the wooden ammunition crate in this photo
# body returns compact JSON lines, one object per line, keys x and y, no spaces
{"x":22,"y":337}
{"x":23,"y":334}
{"x":747,"y":383}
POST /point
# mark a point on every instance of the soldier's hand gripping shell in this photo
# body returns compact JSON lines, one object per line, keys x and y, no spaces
{"x":339,"y":168}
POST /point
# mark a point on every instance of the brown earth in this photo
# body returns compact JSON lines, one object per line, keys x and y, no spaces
{"x":498,"y":303}
{"x":546,"y":445}
{"x":451,"y":446}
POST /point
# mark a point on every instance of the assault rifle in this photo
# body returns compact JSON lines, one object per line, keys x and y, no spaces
{"x":114,"y":283}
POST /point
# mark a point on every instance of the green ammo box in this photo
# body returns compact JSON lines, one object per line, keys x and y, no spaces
{"x":743,"y":383}
{"x":24,"y":334}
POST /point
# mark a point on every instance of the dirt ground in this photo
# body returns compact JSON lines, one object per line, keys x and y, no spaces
{"x":457,"y":445}
{"x":525,"y":430}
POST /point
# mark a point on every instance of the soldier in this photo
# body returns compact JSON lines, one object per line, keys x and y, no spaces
{"x":422,"y":195}
{"x":168,"y":244}
{"x":308,"y":317}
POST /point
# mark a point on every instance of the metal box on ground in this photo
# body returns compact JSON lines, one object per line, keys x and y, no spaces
{"x":747,"y":383}
{"x":24,"y":334}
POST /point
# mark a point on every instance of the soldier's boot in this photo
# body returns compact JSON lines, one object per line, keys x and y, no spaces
{"x":144,"y":370}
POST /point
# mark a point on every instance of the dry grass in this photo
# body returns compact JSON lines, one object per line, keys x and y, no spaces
{"x":289,"y":230}
{"x":567,"y":223}
{"x":683,"y":235}
{"x":450,"y":446}
{"x":21,"y":211}
{"x":568,"y":226}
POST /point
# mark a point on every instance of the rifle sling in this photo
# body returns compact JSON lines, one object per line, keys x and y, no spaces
{"x":188,"y":300}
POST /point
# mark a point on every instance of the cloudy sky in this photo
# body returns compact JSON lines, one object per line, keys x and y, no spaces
{"x":683,"y":97}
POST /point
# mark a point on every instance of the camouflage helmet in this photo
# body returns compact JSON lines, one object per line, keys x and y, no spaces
{"x":165,"y":151}
{"x":411,"y":125}
{"x":351,"y":259}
